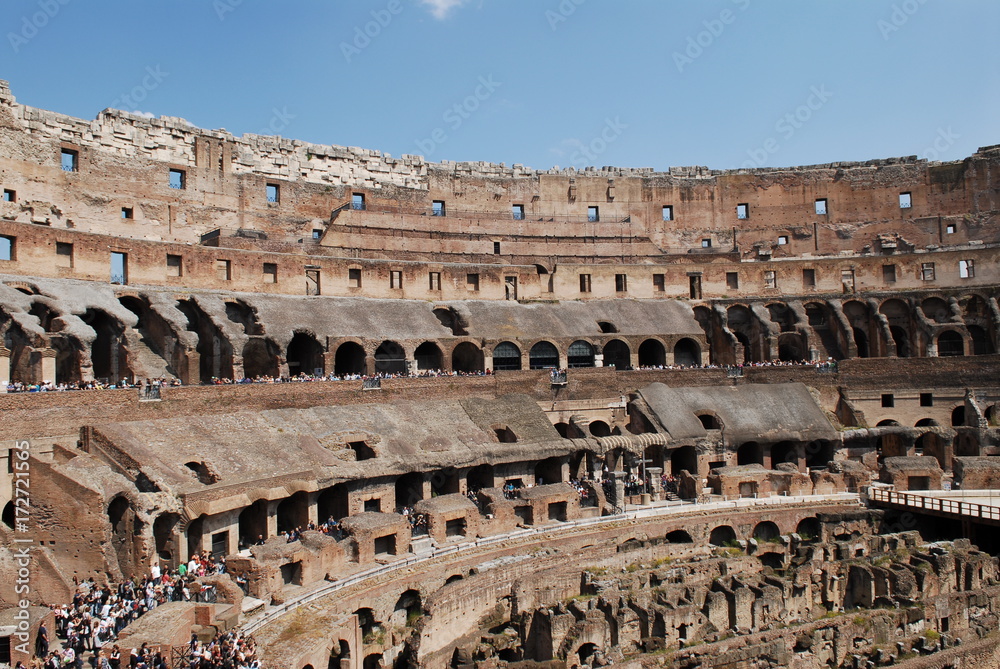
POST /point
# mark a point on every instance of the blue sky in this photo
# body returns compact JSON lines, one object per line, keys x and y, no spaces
{"x":632,"y":83}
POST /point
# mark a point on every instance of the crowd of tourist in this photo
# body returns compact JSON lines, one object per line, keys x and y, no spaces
{"x":49,"y":386}
{"x":418,"y":521}
{"x":98,"y":613}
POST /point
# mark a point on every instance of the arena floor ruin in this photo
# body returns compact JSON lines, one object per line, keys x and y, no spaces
{"x":478,"y":415}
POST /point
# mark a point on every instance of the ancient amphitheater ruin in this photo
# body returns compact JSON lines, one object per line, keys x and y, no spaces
{"x":388,"y":412}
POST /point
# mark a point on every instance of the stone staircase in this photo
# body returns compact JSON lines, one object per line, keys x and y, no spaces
{"x":144,"y":361}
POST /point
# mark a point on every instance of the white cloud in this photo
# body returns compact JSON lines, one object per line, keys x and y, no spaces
{"x":441,"y":8}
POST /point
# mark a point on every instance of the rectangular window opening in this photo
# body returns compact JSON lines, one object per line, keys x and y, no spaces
{"x":926,"y":399}
{"x":312,"y":281}
{"x":496,"y":248}
{"x":668,"y":212}
{"x":119,"y":268}
{"x":905,"y":201}
{"x":472,"y":283}
{"x":621,"y":283}
{"x":694,"y":286}
{"x":821,"y":207}
{"x":808,"y":278}
{"x":9,"y":195}
{"x":174,"y":267}
{"x":584,"y":283}
{"x":358,"y":201}
{"x":510,"y":287}
{"x":270,"y":272}
{"x":434,"y":280}
{"x":733,"y":280}
{"x":223,"y":270}
{"x":70,"y":160}
{"x":950,"y":229}
{"x":273,"y":192}
{"x":317,"y":234}
{"x":927,"y":271}
{"x":178,"y":179}
{"x":888,"y":400}
{"x":593,"y":214}
{"x":395,"y":279}
{"x":847,"y":280}
{"x":782,"y":240}
{"x":437,"y":208}
{"x":659,"y":283}
{"x":966,"y":269}
{"x":770,"y":279}
{"x":354,"y":277}
{"x":706,"y":243}
{"x":7,"y":248}
{"x":743,"y":211}
{"x":128,"y":213}
{"x":517,"y":211}
{"x":889,"y":273}
{"x":64,"y":254}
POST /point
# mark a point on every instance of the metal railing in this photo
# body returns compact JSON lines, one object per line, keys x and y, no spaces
{"x":270,"y":615}
{"x":957,"y":507}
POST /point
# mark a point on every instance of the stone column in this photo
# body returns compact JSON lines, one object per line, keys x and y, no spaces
{"x":598,"y":360}
{"x":563,"y":360}
{"x":4,"y":369}
{"x":654,"y":474}
{"x":48,"y":364}
{"x":487,"y":361}
{"x":329,"y":362}
{"x":633,"y":359}
{"x":312,"y":507}
{"x":272,"y":518}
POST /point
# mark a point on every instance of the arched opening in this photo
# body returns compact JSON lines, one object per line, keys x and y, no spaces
{"x":8,"y":515}
{"x":506,"y":357}
{"x":723,"y":535}
{"x":889,"y":446}
{"x":750,"y":453}
{"x":981,"y":343}
{"x":253,"y":523}
{"x":333,"y":503}
{"x":772,"y":560}
{"x":931,"y":445}
{"x":293,"y":512}
{"x":950,"y":343}
{"x":243,"y":314}
{"x":766,"y":531}
{"x":888,"y":422}
{"x":709,"y":421}
{"x":678,"y":537}
{"x":163,"y":537}
{"x":196,"y":535}
{"x":428,"y":356}
{"x":617,"y":355}
{"x":480,"y":477}
{"x":45,"y":315}
{"x":305,"y":356}
{"x":349,"y":359}
{"x":407,"y":609}
{"x":958,"y":416}
{"x":340,"y":653}
{"x":684,"y":458}
{"x":390,"y":358}
{"x":453,"y":578}
{"x":445,"y":482}
{"x":808,"y":529}
{"x":785,"y":451}
{"x":792,"y":348}
{"x":586,"y":653}
{"x":260,"y":358}
{"x":599,"y":428}
{"x":409,"y":490}
{"x":548,"y":471}
{"x":372,"y":661}
{"x":467,"y":358}
{"x":966,"y":445}
{"x":543,"y":355}
{"x":687,"y":353}
{"x":783,"y":316}
{"x":215,"y":352}
{"x":925,"y":422}
{"x":819,"y":453}
{"x":902,"y":341}
{"x":108,"y":353}
{"x":861,"y":341}
{"x":936,"y":309}
{"x":897,"y":313}
{"x":652,"y":354}
{"x":580,"y":354}
{"x":451,"y":320}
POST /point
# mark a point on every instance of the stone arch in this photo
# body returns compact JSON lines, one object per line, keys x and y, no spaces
{"x":950,"y":343}
{"x":792,"y":347}
{"x":305,"y":355}
{"x":897,"y":314}
{"x":966,"y":444}
{"x":333,"y":502}
{"x":723,"y":535}
{"x":480,"y":477}
{"x":958,"y":415}
{"x":108,"y":353}
{"x":684,"y":458}
{"x":652,"y":353}
{"x":981,"y":342}
{"x":349,"y":359}
{"x":580,"y":354}
{"x":252,"y":523}
{"x":932,"y":445}
{"x":750,"y":453}
{"x":409,"y":489}
{"x":678,"y":537}
{"x":242,"y":314}
{"x":196,"y":535}
{"x":428,"y":356}
{"x":215,"y":351}
{"x":809,"y":529}
{"x":687,"y":352}
{"x":164,"y":538}
{"x":819,"y":453}
{"x":926,"y":422}
{"x":407,"y":609}
{"x":9,"y":517}
{"x":599,"y":428}
{"x":506,"y":357}
{"x":260,"y":358}
{"x":468,"y":358}
{"x":549,"y":470}
{"x":936,"y":309}
{"x":542,"y":355}
{"x":293,"y":512}
{"x":709,"y":420}
{"x":617,"y":354}
{"x":390,"y":358}
{"x":766,"y":531}
{"x":888,"y":422}
{"x":782,"y":316}
{"x":785,"y":451}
